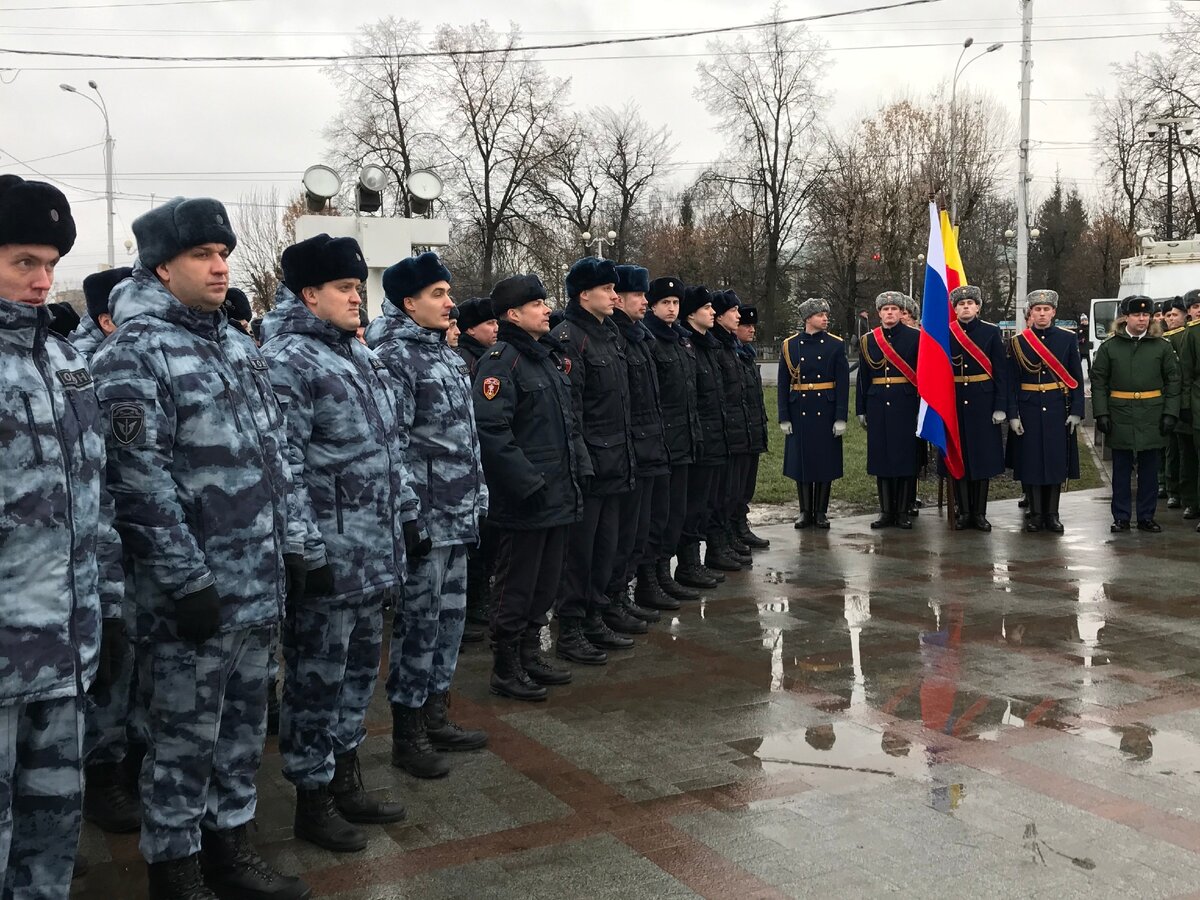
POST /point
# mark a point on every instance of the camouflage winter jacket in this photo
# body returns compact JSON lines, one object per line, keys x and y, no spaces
{"x":60,"y":560}
{"x":195,"y":461}
{"x":87,"y":338}
{"x":352,"y":489}
{"x":437,"y":425}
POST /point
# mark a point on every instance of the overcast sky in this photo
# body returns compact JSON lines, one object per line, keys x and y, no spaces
{"x":183,"y":129}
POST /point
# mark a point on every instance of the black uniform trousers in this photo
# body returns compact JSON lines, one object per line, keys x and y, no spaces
{"x":668,"y":507}
{"x":1147,"y":477}
{"x":737,"y":471}
{"x":591,"y":550}
{"x":632,"y":533}
{"x":702,"y":483}
{"x":748,"y":488}
{"x":528,"y":570}
{"x":481,"y":559}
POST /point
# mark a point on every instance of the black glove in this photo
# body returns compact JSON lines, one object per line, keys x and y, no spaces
{"x":416,"y":541}
{"x":295,"y":576}
{"x":114,"y":645}
{"x":319,"y":582}
{"x":1166,"y":424}
{"x":1104,"y":424}
{"x":198,"y":614}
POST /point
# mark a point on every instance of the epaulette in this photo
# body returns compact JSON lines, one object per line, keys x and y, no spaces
{"x":790,"y":336}
{"x":1193,"y":322}
{"x":1173,"y":331}
{"x":496,"y":354}
{"x":1066,"y":329}
{"x":834,"y":336}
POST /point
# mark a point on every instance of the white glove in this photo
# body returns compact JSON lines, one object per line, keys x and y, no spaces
{"x":862,"y":420}
{"x":1017,"y":426}
{"x":998,"y":417}
{"x":785,"y":427}
{"x":839,"y":428}
{"x":1073,"y":423}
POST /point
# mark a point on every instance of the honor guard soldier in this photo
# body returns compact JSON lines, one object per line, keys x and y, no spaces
{"x":652,"y":466}
{"x":531,"y":449}
{"x":351,"y":492}
{"x":887,"y":404}
{"x":814,"y":398}
{"x":60,"y":560}
{"x":981,"y":389}
{"x":600,"y":394}
{"x":196,"y":467}
{"x":1045,"y":407}
{"x":1181,"y":449}
{"x":756,"y":412}
{"x":727,"y":307}
{"x":1135,"y":398}
{"x":436,"y":425}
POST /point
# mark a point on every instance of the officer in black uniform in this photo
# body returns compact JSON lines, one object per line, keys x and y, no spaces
{"x":477,"y":322}
{"x":981,"y":389}
{"x":727,"y":307}
{"x":531,"y":451}
{"x":600,"y":395}
{"x":756,"y":411}
{"x":675,"y":360}
{"x":652,"y":466}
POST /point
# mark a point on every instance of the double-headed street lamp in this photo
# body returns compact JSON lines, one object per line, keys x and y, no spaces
{"x":959,"y":68}
{"x":108,"y":159}
{"x":587,"y":239}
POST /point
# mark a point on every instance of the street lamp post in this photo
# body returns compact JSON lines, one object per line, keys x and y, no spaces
{"x":1029,"y":234}
{"x":587,"y":239}
{"x":912,"y":264}
{"x":959,"y":68}
{"x":1170,"y":125}
{"x":108,"y":159}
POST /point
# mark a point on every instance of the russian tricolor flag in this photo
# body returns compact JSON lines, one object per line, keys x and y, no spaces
{"x":937,"y":421}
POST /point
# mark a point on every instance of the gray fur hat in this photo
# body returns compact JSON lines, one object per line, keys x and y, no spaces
{"x":1041,"y":298}
{"x":813,"y":306}
{"x":179,"y":224}
{"x":966,"y":292}
{"x":892,"y":298}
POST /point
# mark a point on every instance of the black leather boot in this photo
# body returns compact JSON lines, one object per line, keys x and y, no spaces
{"x":233,"y":869}
{"x":634,"y":608}
{"x":445,"y":734}
{"x":351,"y":797}
{"x":1033,"y":508}
{"x":979,"y":505}
{"x":737,"y":549}
{"x":411,"y":750}
{"x":821,"y":491}
{"x":962,"y":504}
{"x":621,"y":620}
{"x":319,"y":822}
{"x":178,"y":879}
{"x":509,"y":678}
{"x":649,"y":594}
{"x":887,"y":516}
{"x":902,"y":501}
{"x":741,"y":528}
{"x":689,"y":572}
{"x":717,"y":556}
{"x":107,"y":801}
{"x":804,"y":492}
{"x":670,"y":586}
{"x":596,"y":629}
{"x":1050,"y":495}
{"x":535,"y":665}
{"x":573,"y":646}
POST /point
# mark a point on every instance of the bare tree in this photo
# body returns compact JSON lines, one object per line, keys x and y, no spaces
{"x":766,"y":94}
{"x":1126,"y":157}
{"x":632,"y":156}
{"x":258,"y":223}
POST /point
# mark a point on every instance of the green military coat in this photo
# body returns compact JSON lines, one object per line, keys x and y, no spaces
{"x":1127,"y":366}
{"x":1177,"y":336}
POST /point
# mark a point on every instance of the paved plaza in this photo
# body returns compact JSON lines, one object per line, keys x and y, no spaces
{"x":863,"y":713}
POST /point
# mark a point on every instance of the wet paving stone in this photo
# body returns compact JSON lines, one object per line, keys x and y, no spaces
{"x":859,"y":714}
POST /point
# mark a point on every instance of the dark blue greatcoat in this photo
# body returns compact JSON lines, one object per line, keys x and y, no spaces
{"x":890,"y":408}
{"x":982,"y":441}
{"x":1047,"y":453}
{"x":811,"y":452}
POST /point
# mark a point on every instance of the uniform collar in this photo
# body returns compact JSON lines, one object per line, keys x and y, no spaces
{"x":24,"y":324}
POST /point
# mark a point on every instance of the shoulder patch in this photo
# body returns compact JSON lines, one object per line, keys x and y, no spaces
{"x":128,"y":421}
{"x":496,"y":354}
{"x":257,"y":362}
{"x":566,"y":365}
{"x":490,"y":387}
{"x":377,"y":363}
{"x":74,"y":378}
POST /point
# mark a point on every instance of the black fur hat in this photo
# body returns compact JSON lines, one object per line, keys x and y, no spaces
{"x":517,"y":291}
{"x":474,"y":312}
{"x":694,"y":298}
{"x":97,"y":287}
{"x":319,"y":259}
{"x":410,"y":276}
{"x":168,"y":230}
{"x":63,"y":318}
{"x":1192,"y":297}
{"x":237,"y":305}
{"x":1175,"y":303}
{"x":33,"y":212}
{"x":749,"y":315}
{"x":588,"y":273}
{"x":632,"y":280}
{"x":1137,"y":303}
{"x":723,"y":301}
{"x":662,"y":288}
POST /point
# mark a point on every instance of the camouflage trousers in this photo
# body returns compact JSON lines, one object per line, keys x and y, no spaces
{"x":428,"y":627}
{"x":108,"y":715}
{"x":332,"y":655}
{"x":41,"y":796}
{"x":205,"y":708}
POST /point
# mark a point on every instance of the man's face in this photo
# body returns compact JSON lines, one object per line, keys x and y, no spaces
{"x":1137,"y":323}
{"x":1194,"y":311}
{"x":745,"y":333}
{"x":335,"y":302}
{"x":600,"y":301}
{"x":452,"y":333}
{"x":485,"y":332}
{"x":819,"y":322}
{"x":431,"y":307}
{"x":703,"y":318}
{"x":198,"y":277}
{"x":533,"y":318}
{"x":966,"y":310}
{"x":634,"y":304}
{"x":666,"y":309}
{"x":730,"y":318}
{"x":27,"y":272}
{"x":1158,"y":315}
{"x":889,"y":315}
{"x":1041,"y":315}
{"x":1175,"y":318}
{"x":907,"y":318}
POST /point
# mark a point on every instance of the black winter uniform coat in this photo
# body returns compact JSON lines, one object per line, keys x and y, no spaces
{"x":710,"y":399}
{"x":675,"y":360}
{"x":645,"y":410}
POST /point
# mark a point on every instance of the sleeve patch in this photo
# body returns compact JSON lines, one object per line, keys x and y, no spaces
{"x":491,"y":387}
{"x":128,"y":422}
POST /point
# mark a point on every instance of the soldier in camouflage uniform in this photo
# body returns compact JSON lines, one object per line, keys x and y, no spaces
{"x":351,"y":490}
{"x":59,"y":557}
{"x":439,"y":447}
{"x":196,"y":468}
{"x":98,"y":323}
